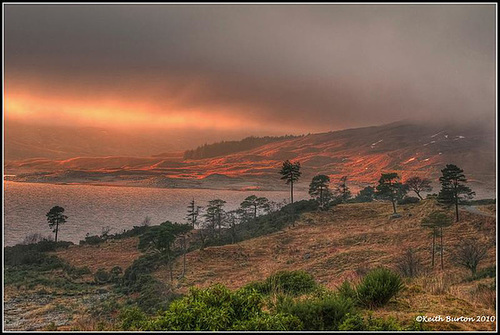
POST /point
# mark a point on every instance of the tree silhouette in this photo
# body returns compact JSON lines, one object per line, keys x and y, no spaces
{"x":214,"y":215}
{"x":55,"y":217}
{"x":193,"y":213}
{"x":319,"y":187}
{"x":453,"y":189}
{"x":290,"y":172}
{"x":437,"y":221}
{"x":389,"y":188}
{"x":469,"y":253}
{"x":343,"y":190}
{"x":255,"y":203}
{"x":365,"y":195}
{"x":417,"y":185}
{"x":160,"y":240}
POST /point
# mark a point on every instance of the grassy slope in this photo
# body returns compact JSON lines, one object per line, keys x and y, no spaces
{"x":343,"y":244}
{"x":333,"y":246}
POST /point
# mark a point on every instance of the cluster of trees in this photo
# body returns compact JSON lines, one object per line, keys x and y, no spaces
{"x":453,"y":189}
{"x":228,"y":147}
{"x":213,"y":219}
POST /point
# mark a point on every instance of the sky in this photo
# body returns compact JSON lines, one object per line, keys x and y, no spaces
{"x":272,"y":69}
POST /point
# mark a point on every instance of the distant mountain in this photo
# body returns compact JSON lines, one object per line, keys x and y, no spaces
{"x":27,"y":141}
{"x":228,"y":147}
{"x":362,"y":154}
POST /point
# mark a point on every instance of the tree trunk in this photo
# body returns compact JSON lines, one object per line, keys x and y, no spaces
{"x":394,"y":206}
{"x":184,"y":256}
{"x":321,"y":196}
{"x":418,"y":193}
{"x":442,"y":262}
{"x":456,"y":208}
{"x":433,"y":245}
{"x":291,"y":191}
{"x":254,"y":212}
{"x":57,"y":228}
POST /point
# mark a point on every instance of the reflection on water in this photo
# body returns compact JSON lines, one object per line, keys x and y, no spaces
{"x":90,"y":208}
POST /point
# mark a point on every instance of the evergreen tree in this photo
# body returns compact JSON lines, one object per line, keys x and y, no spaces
{"x":290,"y":172}
{"x":389,"y":188}
{"x":437,"y":221}
{"x":453,"y":189}
{"x":255,"y":203}
{"x":193,"y":213}
{"x":160,"y":240}
{"x":365,"y":195}
{"x":343,"y":190}
{"x":214,"y":215}
{"x":319,"y":188}
{"x":55,"y":217}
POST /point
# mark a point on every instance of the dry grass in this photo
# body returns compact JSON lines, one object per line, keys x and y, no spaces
{"x":333,"y":246}
{"x":107,"y":255}
{"x":344,"y":244}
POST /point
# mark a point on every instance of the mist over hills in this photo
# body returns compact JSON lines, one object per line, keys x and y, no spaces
{"x":409,"y":148}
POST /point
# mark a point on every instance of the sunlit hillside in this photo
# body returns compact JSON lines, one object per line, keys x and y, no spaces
{"x":362,"y":154}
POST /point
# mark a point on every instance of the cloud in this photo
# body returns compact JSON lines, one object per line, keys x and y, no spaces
{"x":291,"y":67}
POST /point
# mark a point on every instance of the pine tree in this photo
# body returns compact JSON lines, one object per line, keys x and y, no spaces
{"x":453,"y":189}
{"x":255,"y":204}
{"x":319,"y":188}
{"x":389,"y":188}
{"x":343,"y":190}
{"x":437,"y":221}
{"x":55,"y":217}
{"x":290,"y":172}
{"x":193,"y":213}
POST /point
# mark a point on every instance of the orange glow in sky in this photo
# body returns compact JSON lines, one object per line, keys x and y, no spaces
{"x":116,"y":113}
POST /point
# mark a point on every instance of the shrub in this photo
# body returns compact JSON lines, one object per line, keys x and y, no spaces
{"x":347,"y":291}
{"x":215,"y":308}
{"x":356,"y":322}
{"x":115,"y":274}
{"x":132,"y":318}
{"x":409,"y":264}
{"x":408,"y":200}
{"x":93,"y":240}
{"x":488,"y":272}
{"x":324,"y":313}
{"x":289,"y":282}
{"x":264,"y":321}
{"x":378,"y":287}
{"x":102,"y":276}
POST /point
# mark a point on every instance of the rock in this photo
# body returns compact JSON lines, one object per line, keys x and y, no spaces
{"x":395,"y":216}
{"x":307,"y":256}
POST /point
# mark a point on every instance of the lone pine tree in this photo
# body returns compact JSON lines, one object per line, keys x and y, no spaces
{"x":453,"y":188}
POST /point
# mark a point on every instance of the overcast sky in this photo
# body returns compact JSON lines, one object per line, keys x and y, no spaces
{"x":279,"y":68}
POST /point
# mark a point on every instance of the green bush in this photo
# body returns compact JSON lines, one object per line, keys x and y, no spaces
{"x":408,"y":200}
{"x":356,"y":322}
{"x":33,"y":254}
{"x":215,"y":308}
{"x":488,"y":272}
{"x":264,"y":321}
{"x":132,"y":318}
{"x":378,"y":287}
{"x":102,"y":276}
{"x":324,"y":313}
{"x":115,"y":274}
{"x":93,"y":240}
{"x":347,"y":291}
{"x":289,"y":282}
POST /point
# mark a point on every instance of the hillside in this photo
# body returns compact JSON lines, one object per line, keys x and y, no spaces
{"x":362,"y":154}
{"x":340,"y":244}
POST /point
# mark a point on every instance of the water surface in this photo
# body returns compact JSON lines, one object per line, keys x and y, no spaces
{"x":90,"y":208}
